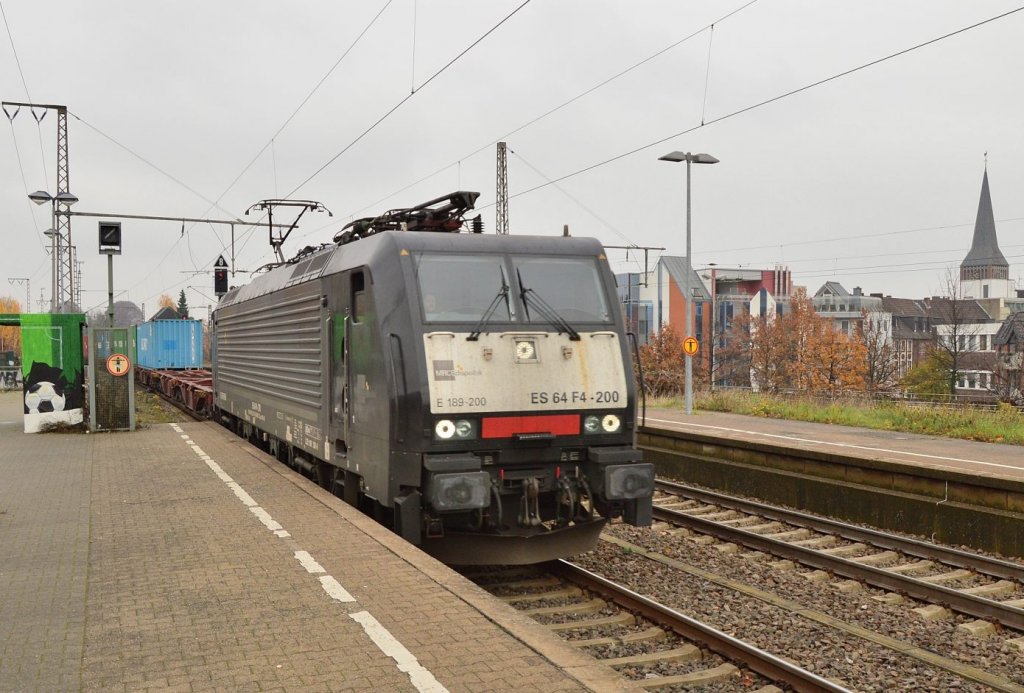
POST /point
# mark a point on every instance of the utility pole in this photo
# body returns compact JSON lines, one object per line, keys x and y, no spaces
{"x":64,"y":264}
{"x":28,"y":291}
{"x":501,"y":209}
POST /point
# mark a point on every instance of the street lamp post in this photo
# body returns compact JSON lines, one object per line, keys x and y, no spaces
{"x":689,"y":158}
{"x":57,"y":249}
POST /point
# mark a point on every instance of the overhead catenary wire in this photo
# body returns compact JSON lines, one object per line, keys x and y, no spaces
{"x":304,"y":101}
{"x":24,"y":185}
{"x":402,"y":102}
{"x":215,"y":204}
{"x":766,"y":102}
{"x":707,"y":75}
{"x":28,"y":95}
{"x":746,"y":109}
{"x":565,"y":192}
{"x":556,"y":109}
{"x":701,"y":118}
{"x":248,"y":235}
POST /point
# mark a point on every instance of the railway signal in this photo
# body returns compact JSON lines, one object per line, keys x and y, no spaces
{"x":110,"y":237}
{"x":220,"y":277}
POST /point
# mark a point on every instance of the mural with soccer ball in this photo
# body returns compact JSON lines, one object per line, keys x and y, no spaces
{"x":52,"y":370}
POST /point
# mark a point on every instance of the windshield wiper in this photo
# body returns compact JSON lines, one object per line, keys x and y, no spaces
{"x":545,"y":311}
{"x":502,"y":293}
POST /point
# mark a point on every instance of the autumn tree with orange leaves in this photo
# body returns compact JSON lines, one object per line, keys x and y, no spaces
{"x":662,"y":363}
{"x":10,"y":337}
{"x":797,"y":350}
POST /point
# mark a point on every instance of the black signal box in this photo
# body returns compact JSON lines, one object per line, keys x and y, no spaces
{"x":110,"y":237}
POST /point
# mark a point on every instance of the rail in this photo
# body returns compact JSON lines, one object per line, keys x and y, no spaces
{"x":764,"y":663}
{"x":973,"y":605}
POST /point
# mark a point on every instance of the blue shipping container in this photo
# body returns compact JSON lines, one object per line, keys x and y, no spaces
{"x":170,"y":344}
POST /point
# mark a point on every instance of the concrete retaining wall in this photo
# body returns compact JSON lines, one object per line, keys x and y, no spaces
{"x":945,"y":506}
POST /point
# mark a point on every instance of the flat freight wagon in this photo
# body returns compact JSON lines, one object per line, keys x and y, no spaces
{"x":170,"y":344}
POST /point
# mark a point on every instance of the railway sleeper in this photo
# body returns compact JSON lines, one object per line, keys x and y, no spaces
{"x":791,"y":534}
{"x":1002,"y":588}
{"x":592,"y":606}
{"x":951,"y":576}
{"x":554,"y":594}
{"x":535,"y":583}
{"x":912,"y":567}
{"x":723,"y":516}
{"x":620,"y":619}
{"x":722,"y":672}
{"x":686,"y":653}
{"x":875,"y":559}
{"x":650,"y":635}
{"x":764,"y":527}
{"x":816,"y":542}
{"x":846,"y":550}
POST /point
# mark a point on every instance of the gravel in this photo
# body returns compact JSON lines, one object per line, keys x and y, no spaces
{"x":852,"y":661}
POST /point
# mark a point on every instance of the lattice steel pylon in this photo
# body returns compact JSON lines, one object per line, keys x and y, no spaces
{"x":501,"y":209}
{"x":64,"y":295}
{"x":65,"y":255}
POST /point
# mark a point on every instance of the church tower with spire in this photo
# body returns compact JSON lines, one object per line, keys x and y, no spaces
{"x":985,"y":273}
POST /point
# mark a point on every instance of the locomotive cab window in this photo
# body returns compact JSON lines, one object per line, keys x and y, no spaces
{"x":570,"y":285}
{"x":463,"y":288}
{"x":358,"y":297}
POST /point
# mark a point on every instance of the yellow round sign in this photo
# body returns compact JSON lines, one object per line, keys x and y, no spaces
{"x":118,"y":364}
{"x":690,"y":346}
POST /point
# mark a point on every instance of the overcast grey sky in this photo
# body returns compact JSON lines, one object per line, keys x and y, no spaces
{"x":871,"y":179}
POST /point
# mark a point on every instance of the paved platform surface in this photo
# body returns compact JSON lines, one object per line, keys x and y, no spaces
{"x":982,"y":459}
{"x":180,"y":558}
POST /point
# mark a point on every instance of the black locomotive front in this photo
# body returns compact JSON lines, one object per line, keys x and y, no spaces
{"x":525,"y":401}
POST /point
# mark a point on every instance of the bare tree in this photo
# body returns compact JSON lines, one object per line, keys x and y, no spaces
{"x":881,"y":367}
{"x":732,"y":358}
{"x":959,"y":325}
{"x":663,"y":363}
{"x":770,"y":351}
{"x":126,"y":314}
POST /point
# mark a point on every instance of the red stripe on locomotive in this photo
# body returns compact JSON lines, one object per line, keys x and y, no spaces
{"x":508,"y":426}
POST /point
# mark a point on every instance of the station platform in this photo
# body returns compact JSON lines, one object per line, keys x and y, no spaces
{"x":178,"y":557}
{"x":992,"y":460}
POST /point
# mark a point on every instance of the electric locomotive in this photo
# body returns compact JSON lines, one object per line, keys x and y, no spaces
{"x":473,"y":391}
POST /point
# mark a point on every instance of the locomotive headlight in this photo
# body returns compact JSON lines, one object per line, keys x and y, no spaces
{"x":444,"y":429}
{"x":460,"y":491}
{"x":461,"y":429}
{"x":628,"y":481}
{"x":465,"y":429}
{"x":595,"y":423}
{"x":526,"y":350}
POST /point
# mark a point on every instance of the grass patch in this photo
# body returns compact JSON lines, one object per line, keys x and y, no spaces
{"x":151,"y":409}
{"x":1004,"y":425}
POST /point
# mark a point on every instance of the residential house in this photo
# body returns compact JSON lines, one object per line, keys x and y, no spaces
{"x":1009,"y":367}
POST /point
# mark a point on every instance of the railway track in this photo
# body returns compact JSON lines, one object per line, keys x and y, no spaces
{"x":652,"y":645}
{"x":983,"y":587}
